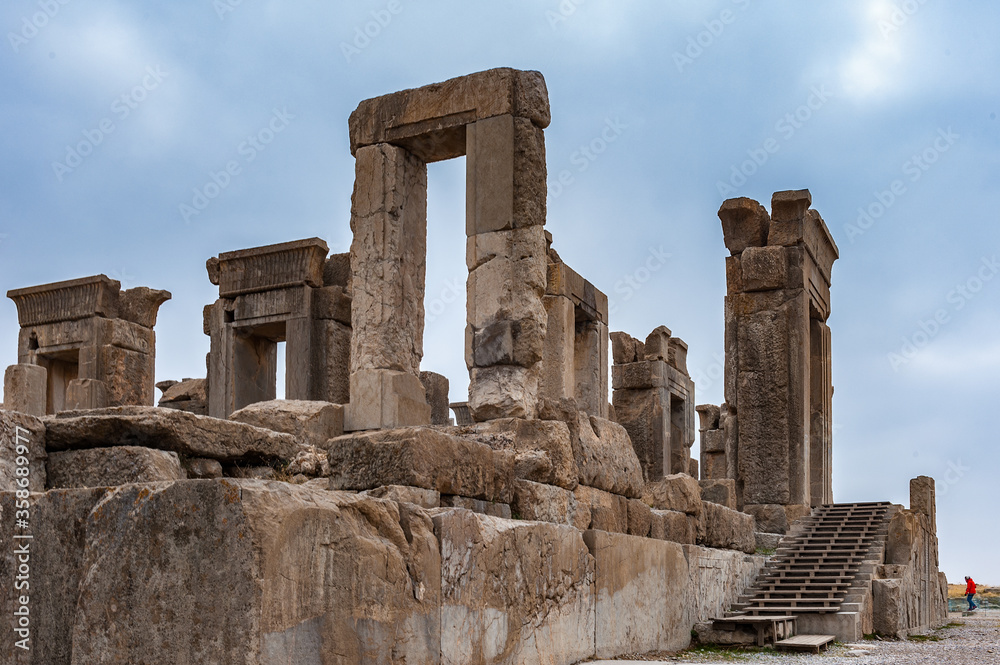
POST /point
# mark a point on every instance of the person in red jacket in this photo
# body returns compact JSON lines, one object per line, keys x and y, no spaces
{"x":970,"y":591}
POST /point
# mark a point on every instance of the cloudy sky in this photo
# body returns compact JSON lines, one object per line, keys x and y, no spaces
{"x":118,"y":116}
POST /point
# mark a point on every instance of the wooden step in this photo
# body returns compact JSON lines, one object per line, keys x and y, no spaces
{"x":810,"y":643}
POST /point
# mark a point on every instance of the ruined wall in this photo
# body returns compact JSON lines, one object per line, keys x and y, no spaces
{"x":778,"y":442}
{"x":179,"y":564}
{"x":910,"y":594}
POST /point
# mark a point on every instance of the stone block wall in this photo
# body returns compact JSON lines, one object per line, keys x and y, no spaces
{"x":654,"y":400}
{"x":910,"y":594}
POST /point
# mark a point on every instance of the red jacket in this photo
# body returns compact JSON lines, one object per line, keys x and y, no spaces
{"x":970,"y":587}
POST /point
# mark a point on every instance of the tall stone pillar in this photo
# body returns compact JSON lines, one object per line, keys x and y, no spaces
{"x":778,"y":385}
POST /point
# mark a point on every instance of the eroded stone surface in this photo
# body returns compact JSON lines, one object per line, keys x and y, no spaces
{"x":108,"y":467}
{"x":167,"y":429}
{"x":421,"y":457}
{"x":513,"y":592}
{"x":21,"y":433}
{"x":309,"y":421}
{"x":635,"y":611}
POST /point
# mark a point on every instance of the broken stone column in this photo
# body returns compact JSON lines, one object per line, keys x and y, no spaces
{"x":24,"y":389}
{"x":94,"y":343}
{"x":273,"y":294}
{"x":436,"y":390}
{"x":654,"y":400}
{"x":575,"y":355}
{"x":713,"y":442}
{"x":778,"y":387}
{"x":494,"y":118}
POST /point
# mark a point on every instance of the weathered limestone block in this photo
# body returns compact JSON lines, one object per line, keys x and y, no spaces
{"x":513,"y":592}
{"x":127,"y":375}
{"x":24,"y":389}
{"x":640,"y":518}
{"x":264,"y":592}
{"x":718,"y":578}
{"x":642,"y":587}
{"x":167,"y":429}
{"x":436,"y":390}
{"x":678,"y":492}
{"x":505,"y":175}
{"x":427,"y":499}
{"x":21,"y":436}
{"x":608,"y":512}
{"x":490,"y":508}
{"x":767,"y":541}
{"x":693,"y":468}
{"x":419,"y":457}
{"x":502,"y":391}
{"x":385,"y":399}
{"x":201,"y":467}
{"x":713,"y":441}
{"x":624,"y":349}
{"x":771,"y":518}
{"x":108,"y":467}
{"x":310,"y":422}
{"x":141,"y":304}
{"x":605,"y":457}
{"x":542,"y":448}
{"x":431,"y":120}
{"x":674,"y":526}
{"x":332,"y":303}
{"x":310,"y":461}
{"x":657,"y":345}
{"x":724,"y":528}
{"x":558,"y":368}
{"x":331,"y":348}
{"x":188,"y":395}
{"x":58,"y":521}
{"x":923,"y":499}
{"x":890,"y":608}
{"x":642,"y":414}
{"x":720,"y":491}
{"x":709,"y":416}
{"x":745,"y":223}
{"x":85,"y":394}
{"x":388,"y":256}
{"x":764,"y":268}
{"x":547,"y":503}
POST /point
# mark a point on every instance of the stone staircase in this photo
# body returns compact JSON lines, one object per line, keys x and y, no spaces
{"x":822,"y":570}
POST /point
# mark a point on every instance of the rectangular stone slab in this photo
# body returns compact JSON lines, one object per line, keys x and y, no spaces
{"x":513,"y":591}
{"x":420,"y":457}
{"x":430,"y":121}
{"x":167,"y":429}
{"x":642,"y":587}
{"x":107,"y":467}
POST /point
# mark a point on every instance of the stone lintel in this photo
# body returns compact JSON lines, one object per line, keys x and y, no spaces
{"x":270,"y":267}
{"x":70,"y":300}
{"x":430,"y":121}
{"x":564,"y":281}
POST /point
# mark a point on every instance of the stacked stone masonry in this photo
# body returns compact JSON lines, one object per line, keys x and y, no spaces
{"x":354,"y":520}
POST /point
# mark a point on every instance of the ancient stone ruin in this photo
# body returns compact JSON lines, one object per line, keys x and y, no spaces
{"x":357,"y":521}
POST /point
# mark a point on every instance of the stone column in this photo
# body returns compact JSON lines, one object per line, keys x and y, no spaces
{"x":24,"y":389}
{"x":777,"y":354}
{"x":506,"y":258}
{"x":388,"y":255}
